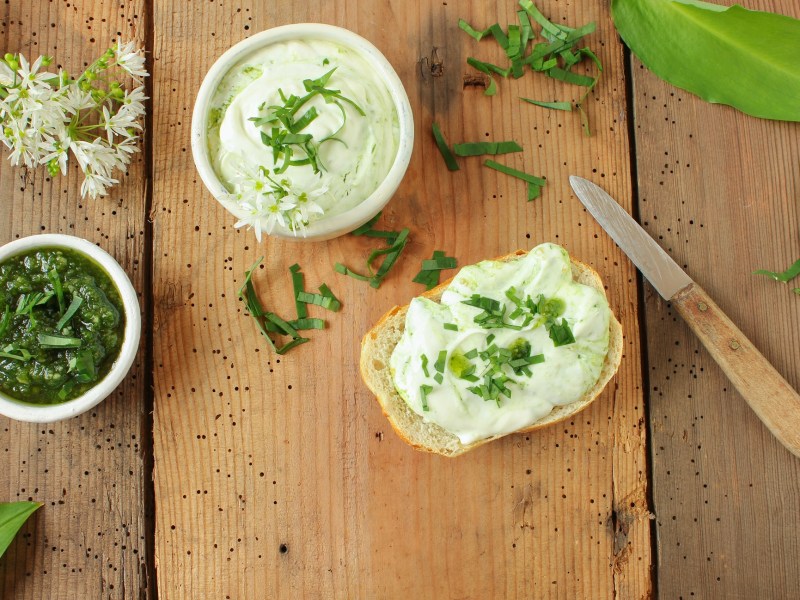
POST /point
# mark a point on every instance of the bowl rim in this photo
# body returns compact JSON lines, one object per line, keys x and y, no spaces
{"x":47,"y":413}
{"x":336,"y":225}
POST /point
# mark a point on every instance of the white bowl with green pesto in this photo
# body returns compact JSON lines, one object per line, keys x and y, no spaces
{"x":69,"y":330}
{"x":302,"y":131}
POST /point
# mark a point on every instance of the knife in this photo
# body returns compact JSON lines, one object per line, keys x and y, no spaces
{"x":767,"y":393}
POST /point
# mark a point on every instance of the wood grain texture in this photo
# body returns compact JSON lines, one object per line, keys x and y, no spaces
{"x":88,"y":540}
{"x":279,"y":477}
{"x":760,"y":385}
{"x":720,"y":190}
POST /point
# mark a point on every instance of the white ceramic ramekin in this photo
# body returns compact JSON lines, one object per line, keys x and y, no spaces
{"x":47,"y":413}
{"x":327,"y":227}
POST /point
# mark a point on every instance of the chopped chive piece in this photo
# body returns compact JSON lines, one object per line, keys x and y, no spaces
{"x":82,"y":364}
{"x":295,"y":342}
{"x":429,"y":274}
{"x":438,"y":378}
{"x":570,"y":77}
{"x":71,"y":310}
{"x":490,"y":338}
{"x":488,"y":68}
{"x":444,"y":149}
{"x":499,"y":35}
{"x":479,"y":148}
{"x":439,"y":262}
{"x":424,"y":360}
{"x":50,"y":341}
{"x":441,"y":360}
{"x":326,"y":291}
{"x":451,"y":326}
{"x":367,"y":227}
{"x":471,"y":32}
{"x":340,"y":268}
{"x":424,"y":390}
{"x":471,"y":354}
{"x":20,"y":357}
{"x":55,"y":280}
{"x":307,"y":323}
{"x":514,"y":172}
{"x":5,"y":321}
{"x":561,"y":334}
{"x":553,"y":105}
{"x":328,"y":302}
{"x":297,"y":287}
{"x":783,"y":277}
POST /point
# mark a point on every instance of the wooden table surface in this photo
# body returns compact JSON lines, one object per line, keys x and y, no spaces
{"x":218,"y":470}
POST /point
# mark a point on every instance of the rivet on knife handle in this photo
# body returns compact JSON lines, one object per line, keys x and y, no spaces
{"x":767,"y":393}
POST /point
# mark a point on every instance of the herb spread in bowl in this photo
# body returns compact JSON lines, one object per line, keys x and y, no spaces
{"x":61,"y":326}
{"x":70,"y":325}
{"x":302,"y":131}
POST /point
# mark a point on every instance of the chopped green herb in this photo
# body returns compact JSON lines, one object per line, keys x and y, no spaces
{"x":784,"y":276}
{"x":298,"y":287}
{"x":424,"y":390}
{"x":488,"y":68}
{"x":479,"y":148}
{"x":429,"y":274}
{"x":440,"y":361}
{"x":444,"y":149}
{"x":552,"y":105}
{"x":5,"y":321}
{"x":71,"y":310}
{"x":55,"y":280}
{"x":397,"y":241}
{"x":50,"y":341}
{"x":540,"y":181}
{"x":570,"y":77}
{"x":307,"y":323}
{"x":438,"y":378}
{"x":561,"y":334}
{"x":424,"y":360}
{"x":327,"y":302}
{"x":82,"y":364}
{"x":451,"y":326}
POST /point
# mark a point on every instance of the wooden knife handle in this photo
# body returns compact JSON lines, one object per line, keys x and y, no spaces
{"x":767,"y":393}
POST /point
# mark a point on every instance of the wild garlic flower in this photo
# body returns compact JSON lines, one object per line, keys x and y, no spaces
{"x":47,"y":117}
{"x":268,"y":203}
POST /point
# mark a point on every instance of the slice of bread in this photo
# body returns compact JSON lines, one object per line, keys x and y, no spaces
{"x":380,"y":341}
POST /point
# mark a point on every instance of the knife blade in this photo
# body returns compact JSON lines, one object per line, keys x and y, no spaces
{"x":765,"y":390}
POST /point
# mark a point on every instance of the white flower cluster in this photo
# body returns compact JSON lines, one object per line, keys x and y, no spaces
{"x":45,"y":116}
{"x":268,"y":203}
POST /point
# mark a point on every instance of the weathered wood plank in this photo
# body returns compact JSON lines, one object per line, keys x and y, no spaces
{"x":719,"y":189}
{"x":280,"y":477}
{"x":88,"y":540}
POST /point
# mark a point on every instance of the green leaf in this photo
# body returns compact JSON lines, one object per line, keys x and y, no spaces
{"x":478,"y":148}
{"x":783,"y":277}
{"x":744,"y":58}
{"x":552,"y":105}
{"x":441,"y":143}
{"x":12,"y":516}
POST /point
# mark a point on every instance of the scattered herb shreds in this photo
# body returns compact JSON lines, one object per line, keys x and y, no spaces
{"x":270,"y":323}
{"x":567,"y":106}
{"x":480,"y":148}
{"x":431,"y":269}
{"x":397,"y":241}
{"x":556,"y":57}
{"x":424,"y":390}
{"x":444,"y":149}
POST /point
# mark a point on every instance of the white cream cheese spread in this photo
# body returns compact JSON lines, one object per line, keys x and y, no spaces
{"x":359,"y":150}
{"x":502,"y":360}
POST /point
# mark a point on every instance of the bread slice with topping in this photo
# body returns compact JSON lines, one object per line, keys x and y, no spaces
{"x":380,"y":341}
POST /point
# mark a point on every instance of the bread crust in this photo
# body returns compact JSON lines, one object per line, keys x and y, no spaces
{"x":379,"y":342}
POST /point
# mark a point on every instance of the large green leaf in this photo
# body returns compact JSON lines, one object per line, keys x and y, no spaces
{"x":12,"y":517}
{"x":745,"y":58}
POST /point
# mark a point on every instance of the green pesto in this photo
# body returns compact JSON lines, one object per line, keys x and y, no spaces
{"x":91,"y":334}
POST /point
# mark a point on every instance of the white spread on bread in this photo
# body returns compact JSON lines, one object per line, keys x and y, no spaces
{"x":566,"y":373}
